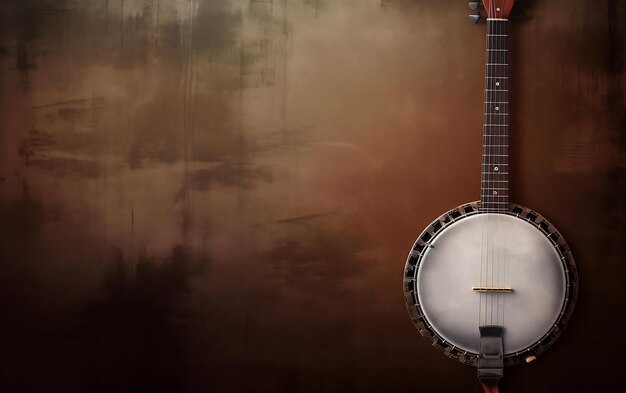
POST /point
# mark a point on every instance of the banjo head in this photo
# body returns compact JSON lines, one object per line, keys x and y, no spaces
{"x":470,"y":268}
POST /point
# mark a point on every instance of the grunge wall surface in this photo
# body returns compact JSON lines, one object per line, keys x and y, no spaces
{"x":219,"y":195}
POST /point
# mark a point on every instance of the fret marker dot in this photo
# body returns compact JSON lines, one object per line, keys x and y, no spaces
{"x":497,"y":83}
{"x":495,"y":169}
{"x":497,"y":9}
{"x":495,"y":192}
{"x":497,"y":108}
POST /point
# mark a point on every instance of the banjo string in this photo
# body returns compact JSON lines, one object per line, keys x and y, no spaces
{"x":487,"y":175}
{"x":491,"y":162}
{"x":482,"y":196}
{"x":498,"y":149}
{"x":500,"y":152}
{"x":506,"y":149}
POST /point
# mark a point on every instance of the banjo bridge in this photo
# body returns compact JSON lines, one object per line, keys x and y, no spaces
{"x":492,"y":289}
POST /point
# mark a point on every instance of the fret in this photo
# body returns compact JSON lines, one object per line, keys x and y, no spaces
{"x":497,"y":69}
{"x":495,"y":94}
{"x":496,"y":125}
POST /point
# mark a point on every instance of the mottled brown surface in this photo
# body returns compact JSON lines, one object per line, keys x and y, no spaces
{"x":219,"y":195}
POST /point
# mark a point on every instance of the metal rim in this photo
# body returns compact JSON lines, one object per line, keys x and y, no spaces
{"x":435,"y":228}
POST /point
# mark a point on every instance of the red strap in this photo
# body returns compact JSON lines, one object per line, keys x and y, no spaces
{"x":490,"y":385}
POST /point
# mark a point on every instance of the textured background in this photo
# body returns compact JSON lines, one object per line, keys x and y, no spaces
{"x":219,"y":195}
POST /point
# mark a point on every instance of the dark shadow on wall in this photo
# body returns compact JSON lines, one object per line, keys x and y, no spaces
{"x":133,"y":337}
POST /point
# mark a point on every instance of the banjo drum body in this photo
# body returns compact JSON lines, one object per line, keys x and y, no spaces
{"x":471,"y":268}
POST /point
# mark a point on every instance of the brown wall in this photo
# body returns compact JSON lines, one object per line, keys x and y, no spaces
{"x":219,"y":195}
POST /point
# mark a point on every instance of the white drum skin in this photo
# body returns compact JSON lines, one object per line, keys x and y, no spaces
{"x":508,"y":252}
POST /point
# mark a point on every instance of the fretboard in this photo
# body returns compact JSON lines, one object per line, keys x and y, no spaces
{"x":494,"y":190}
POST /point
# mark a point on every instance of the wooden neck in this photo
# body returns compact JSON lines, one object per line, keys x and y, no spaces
{"x":494,"y":192}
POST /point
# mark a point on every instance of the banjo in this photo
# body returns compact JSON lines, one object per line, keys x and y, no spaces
{"x":491,"y":283}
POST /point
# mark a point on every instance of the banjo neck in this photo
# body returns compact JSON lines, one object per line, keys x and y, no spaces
{"x":494,"y":190}
{"x":494,"y":186}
